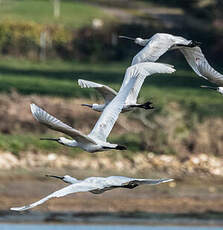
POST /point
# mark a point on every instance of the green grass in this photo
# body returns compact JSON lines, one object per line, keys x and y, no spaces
{"x":59,"y":78}
{"x":31,"y":142}
{"x":73,"y":13}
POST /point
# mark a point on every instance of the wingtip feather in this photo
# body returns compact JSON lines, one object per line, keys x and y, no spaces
{"x":81,"y":83}
{"x":19,"y":208}
{"x":166,"y":180}
{"x":34,"y":109}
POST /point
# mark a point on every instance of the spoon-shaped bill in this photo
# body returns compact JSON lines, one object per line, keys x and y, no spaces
{"x":49,"y":139}
{"x":209,"y":87}
{"x":127,"y":37}
{"x":86,"y":105}
{"x":59,"y":177}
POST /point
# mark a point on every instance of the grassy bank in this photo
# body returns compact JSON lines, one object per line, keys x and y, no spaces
{"x":186,"y":119}
{"x":59,"y":78}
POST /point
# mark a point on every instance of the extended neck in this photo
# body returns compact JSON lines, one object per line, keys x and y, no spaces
{"x":139,"y":41}
{"x":63,"y":141}
{"x":98,"y":108}
{"x":68,"y":142}
{"x":67,"y":179}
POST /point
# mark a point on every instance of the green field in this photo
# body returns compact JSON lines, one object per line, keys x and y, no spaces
{"x":73,"y":14}
{"x":59,"y":78}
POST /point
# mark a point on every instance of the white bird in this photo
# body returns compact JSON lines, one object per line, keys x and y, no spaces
{"x":96,"y":140}
{"x":131,"y":100}
{"x":157,"y":45}
{"x":108,"y":94}
{"x":202,"y":68}
{"x":94,"y":185}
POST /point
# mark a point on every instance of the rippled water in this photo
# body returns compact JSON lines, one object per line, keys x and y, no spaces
{"x":99,"y":227}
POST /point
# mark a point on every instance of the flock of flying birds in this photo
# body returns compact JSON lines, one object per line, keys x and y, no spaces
{"x":143,"y":64}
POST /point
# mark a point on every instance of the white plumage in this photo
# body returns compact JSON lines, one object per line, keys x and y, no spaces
{"x":96,"y":140}
{"x":146,"y":69}
{"x":95,"y":185}
{"x":202,"y":68}
{"x":156,"y":46}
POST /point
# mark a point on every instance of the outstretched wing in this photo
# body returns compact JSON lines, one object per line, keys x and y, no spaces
{"x":142,"y":70}
{"x":209,"y":73}
{"x":192,"y":55}
{"x":109,"y":116}
{"x":122,"y":181}
{"x":111,"y":112}
{"x":107,"y":92}
{"x":53,"y":123}
{"x":150,"y":181}
{"x":74,"y":188}
{"x":158,"y":44}
{"x":200,"y":65}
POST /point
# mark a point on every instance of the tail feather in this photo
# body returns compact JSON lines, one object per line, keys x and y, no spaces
{"x":147,"y":105}
{"x":191,"y":44}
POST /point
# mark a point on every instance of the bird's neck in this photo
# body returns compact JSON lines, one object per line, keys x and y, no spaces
{"x":98,"y":108}
{"x":220,"y":90}
{"x":71,"y":180}
{"x":70,"y":143}
{"x":142,"y":42}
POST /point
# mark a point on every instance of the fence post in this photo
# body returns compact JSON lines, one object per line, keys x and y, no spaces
{"x":43,"y":44}
{"x":56,"y":7}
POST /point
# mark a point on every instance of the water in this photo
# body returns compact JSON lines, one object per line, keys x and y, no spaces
{"x":99,"y":227}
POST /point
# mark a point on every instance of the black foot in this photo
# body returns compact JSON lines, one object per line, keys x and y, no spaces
{"x":121,"y":147}
{"x":191,"y":44}
{"x":194,"y":43}
{"x":147,"y":105}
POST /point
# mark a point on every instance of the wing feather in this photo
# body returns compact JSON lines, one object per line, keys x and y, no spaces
{"x":107,"y":92}
{"x":158,"y":44}
{"x":151,"y":181}
{"x":144,"y":70}
{"x":200,"y":65}
{"x":121,"y":181}
{"x":209,"y":73}
{"x":73,"y":188}
{"x":192,"y":55}
{"x":53,"y":123}
{"x":110,"y":114}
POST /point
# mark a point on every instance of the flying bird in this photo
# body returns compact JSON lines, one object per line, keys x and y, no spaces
{"x":96,"y":140}
{"x":202,"y":68}
{"x":157,"y":45}
{"x":131,"y":100}
{"x":94,"y":185}
{"x":108,"y":94}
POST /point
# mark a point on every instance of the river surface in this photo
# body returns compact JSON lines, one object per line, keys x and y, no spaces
{"x":100,"y":227}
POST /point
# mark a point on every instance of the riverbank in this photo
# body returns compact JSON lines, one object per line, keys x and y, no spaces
{"x":197,"y":192}
{"x":120,"y":218}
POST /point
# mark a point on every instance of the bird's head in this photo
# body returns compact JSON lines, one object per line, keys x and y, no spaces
{"x":61,"y":140}
{"x":139,"y":41}
{"x":210,"y":87}
{"x":218,"y":89}
{"x":67,"y":179}
{"x":88,"y":105}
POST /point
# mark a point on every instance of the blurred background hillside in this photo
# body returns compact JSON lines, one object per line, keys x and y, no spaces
{"x":46,"y":45}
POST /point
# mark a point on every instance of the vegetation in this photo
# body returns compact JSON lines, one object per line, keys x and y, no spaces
{"x":29,"y":142}
{"x":60,"y":79}
{"x":180,"y":103}
{"x":74,"y":14}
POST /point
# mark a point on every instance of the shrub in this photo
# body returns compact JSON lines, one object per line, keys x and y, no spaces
{"x":24,"y":38}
